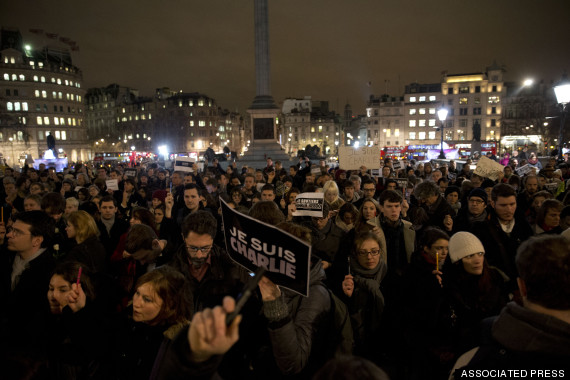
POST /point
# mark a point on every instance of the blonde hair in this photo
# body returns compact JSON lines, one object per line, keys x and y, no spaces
{"x":84,"y":225}
{"x":330,"y":186}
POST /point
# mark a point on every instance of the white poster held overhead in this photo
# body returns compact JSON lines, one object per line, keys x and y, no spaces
{"x":184,"y":164}
{"x":309,"y":204}
{"x":351,"y":158}
{"x":488,"y":168}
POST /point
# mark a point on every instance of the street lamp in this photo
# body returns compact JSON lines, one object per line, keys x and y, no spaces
{"x":442,"y":115}
{"x":562,"y":92}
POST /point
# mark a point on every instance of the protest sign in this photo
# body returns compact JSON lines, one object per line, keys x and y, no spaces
{"x":452,"y":176}
{"x":309,"y":204}
{"x":252,"y":244}
{"x":112,"y":184}
{"x":551,"y":186}
{"x":397,"y":165}
{"x":351,"y":158}
{"x":402,"y":182}
{"x":131,"y":173}
{"x":376,"y":172}
{"x":488,"y":168}
{"x":523,"y":170}
{"x":184,"y":164}
{"x":316,"y":170}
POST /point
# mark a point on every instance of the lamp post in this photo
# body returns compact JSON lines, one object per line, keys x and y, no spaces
{"x":442,"y":115}
{"x":562,"y":92}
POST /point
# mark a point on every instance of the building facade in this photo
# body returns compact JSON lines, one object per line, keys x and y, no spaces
{"x":41,"y":94}
{"x":305,"y":122}
{"x":119,"y":120}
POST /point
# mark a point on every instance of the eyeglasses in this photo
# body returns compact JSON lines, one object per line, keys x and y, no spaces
{"x":15,"y":232}
{"x":373,"y":252}
{"x":194,"y":249}
{"x":476,"y":201}
{"x":369,"y":190}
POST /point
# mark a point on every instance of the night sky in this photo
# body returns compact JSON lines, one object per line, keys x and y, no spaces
{"x":328,"y":49}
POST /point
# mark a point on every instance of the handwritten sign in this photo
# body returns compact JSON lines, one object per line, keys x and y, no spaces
{"x":309,"y":204}
{"x":112,"y":184}
{"x":397,"y":165}
{"x":551,"y":186}
{"x":488,"y":168}
{"x":351,"y":158}
{"x":252,"y":244}
{"x":131,"y":173}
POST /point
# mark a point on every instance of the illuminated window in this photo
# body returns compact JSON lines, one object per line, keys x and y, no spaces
{"x":432,"y":111}
{"x":43,"y":79}
{"x":412,"y":98}
{"x":14,"y":77}
{"x":58,"y":81}
{"x":56,"y":121}
{"x":9,"y":106}
{"x":320,"y":128}
{"x":422,"y":98}
{"x":312,"y":129}
{"x":422,"y":111}
{"x":73,"y":122}
{"x":201,"y":123}
{"x":6,"y":76}
{"x":464,"y":90}
{"x":412,"y":135}
{"x":63,"y":135}
{"x":422,"y":123}
{"x":44,"y":94}
{"x":412,"y":123}
{"x":149,"y":116}
{"x":412,"y":111}
{"x":432,"y":98}
{"x":388,"y":132}
{"x":54,"y":94}
{"x":462,"y":100}
{"x":17,"y":106}
{"x":66,"y":82}
{"x":62,"y":120}
{"x":431,"y":122}
{"x":200,"y":103}
{"x":22,"y":77}
{"x":60,"y":95}
{"x":39,"y":120}
{"x":396,"y":132}
{"x":431,"y":135}
{"x":35,"y":78}
{"x":494,"y":99}
{"x":57,"y":135}
{"x":46,"y":120}
{"x":24,"y":106}
{"x":191,"y":103}
{"x":422,"y":135}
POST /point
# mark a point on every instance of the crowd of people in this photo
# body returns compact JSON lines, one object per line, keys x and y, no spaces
{"x":135,"y":283}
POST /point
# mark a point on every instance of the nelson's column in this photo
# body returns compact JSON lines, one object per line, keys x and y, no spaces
{"x":263,"y":111}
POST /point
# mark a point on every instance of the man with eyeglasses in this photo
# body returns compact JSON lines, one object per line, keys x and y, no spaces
{"x":476,"y":211}
{"x":24,"y":273}
{"x":210,"y":272}
{"x":368,"y":191}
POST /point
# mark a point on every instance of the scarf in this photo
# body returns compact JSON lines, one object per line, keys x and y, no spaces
{"x":480,"y":218}
{"x":369,"y":279}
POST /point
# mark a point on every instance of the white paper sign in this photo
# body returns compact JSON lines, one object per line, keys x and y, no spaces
{"x":184,"y":164}
{"x":488,"y":168}
{"x":112,"y":184}
{"x":376,"y":172}
{"x":309,"y":204}
{"x":523,"y":170}
{"x":397,"y":164}
{"x":351,"y":158}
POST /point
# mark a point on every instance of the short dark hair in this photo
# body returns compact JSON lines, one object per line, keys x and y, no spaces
{"x":367,"y":181}
{"x":190,"y":186}
{"x":502,"y":190}
{"x":40,"y":224}
{"x":108,"y":198}
{"x":54,"y":202}
{"x":145,"y":216}
{"x":268,"y":187}
{"x":200,"y":222}
{"x":426,"y":189}
{"x":542,"y":263}
{"x":390,"y":196}
{"x":347,"y":183}
{"x":431,"y":235}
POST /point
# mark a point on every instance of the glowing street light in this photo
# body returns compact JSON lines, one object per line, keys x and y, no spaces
{"x":528,"y":82}
{"x":442,"y":115}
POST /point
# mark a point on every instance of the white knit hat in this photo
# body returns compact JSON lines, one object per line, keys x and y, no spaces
{"x":463,"y":244}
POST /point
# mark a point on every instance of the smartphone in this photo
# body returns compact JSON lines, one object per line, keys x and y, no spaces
{"x":245,"y":294}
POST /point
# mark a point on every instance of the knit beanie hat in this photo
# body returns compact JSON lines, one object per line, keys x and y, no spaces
{"x":478,"y":192}
{"x":159,"y":194}
{"x":463,"y":244}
